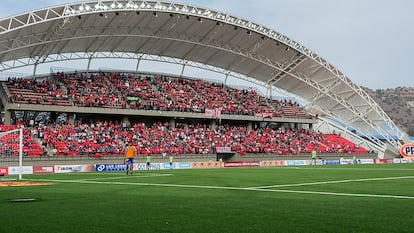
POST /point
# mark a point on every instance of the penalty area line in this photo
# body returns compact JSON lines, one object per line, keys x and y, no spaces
{"x":232,"y":188}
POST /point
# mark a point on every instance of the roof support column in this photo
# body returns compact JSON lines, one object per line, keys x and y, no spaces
{"x":7,"y":116}
{"x":137,"y":67}
{"x":89,"y":64}
{"x":270,"y":91}
{"x":182,"y":70}
{"x":35,"y":69}
{"x":225,"y":80}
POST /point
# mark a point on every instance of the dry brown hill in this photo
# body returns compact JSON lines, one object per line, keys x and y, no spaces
{"x":398,"y":103}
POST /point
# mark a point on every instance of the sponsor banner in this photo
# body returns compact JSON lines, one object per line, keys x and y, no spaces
{"x":403,"y":160}
{"x":153,"y":166}
{"x":212,"y":113}
{"x":206,"y":164}
{"x":109,"y":167}
{"x":264,"y":115}
{"x":181,"y":165}
{"x":331,"y":162}
{"x":242,"y":164}
{"x":209,"y":113}
{"x":345,"y":161}
{"x":365,"y":161}
{"x":14,"y":170}
{"x":382,"y":161}
{"x":390,"y":160}
{"x":43,"y":169}
{"x":224,"y":149}
{"x":272,"y":163}
{"x":132,"y":98}
{"x":297,"y":162}
{"x":267,"y":115}
{"x":4,"y":170}
{"x":407,"y":150}
{"x":184,"y":165}
{"x":174,"y":165}
{"x":73,"y":168}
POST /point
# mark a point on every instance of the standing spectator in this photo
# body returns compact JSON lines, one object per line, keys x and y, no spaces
{"x":171,"y":159}
{"x":148,"y":161}
{"x":54,"y":151}
{"x":313,"y":154}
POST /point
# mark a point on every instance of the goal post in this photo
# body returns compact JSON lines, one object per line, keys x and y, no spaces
{"x":11,"y":154}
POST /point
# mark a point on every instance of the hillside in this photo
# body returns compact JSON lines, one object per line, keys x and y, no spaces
{"x":398,"y":103}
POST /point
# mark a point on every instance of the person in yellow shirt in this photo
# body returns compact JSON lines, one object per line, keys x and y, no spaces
{"x":313,"y":154}
{"x":129,"y":158}
{"x":148,"y":162}
{"x":171,"y":159}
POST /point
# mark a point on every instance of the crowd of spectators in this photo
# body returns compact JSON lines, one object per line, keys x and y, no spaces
{"x":161,"y":93}
{"x":109,"y":138}
{"x":33,"y":91}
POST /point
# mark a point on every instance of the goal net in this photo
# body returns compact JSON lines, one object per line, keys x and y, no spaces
{"x":11,"y":154}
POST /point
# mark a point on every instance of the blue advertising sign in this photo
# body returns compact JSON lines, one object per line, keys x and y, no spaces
{"x":331,"y":162}
{"x":109,"y":167}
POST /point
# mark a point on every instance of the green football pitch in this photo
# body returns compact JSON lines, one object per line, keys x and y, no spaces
{"x":351,"y":198}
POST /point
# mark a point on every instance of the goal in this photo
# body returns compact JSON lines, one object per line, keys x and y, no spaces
{"x":11,"y":154}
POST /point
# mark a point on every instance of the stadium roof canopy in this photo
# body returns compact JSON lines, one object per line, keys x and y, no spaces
{"x":191,"y":36}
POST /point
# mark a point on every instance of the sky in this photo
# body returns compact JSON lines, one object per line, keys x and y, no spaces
{"x":370,"y":41}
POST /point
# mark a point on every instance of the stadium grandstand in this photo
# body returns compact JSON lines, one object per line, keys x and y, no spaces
{"x":96,"y":112}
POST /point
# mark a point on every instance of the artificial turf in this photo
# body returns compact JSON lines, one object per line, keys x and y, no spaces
{"x":348,"y":198}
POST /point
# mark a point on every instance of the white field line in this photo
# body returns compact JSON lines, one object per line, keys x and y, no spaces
{"x":352,"y":168}
{"x":230,"y":188}
{"x":334,"y":182}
